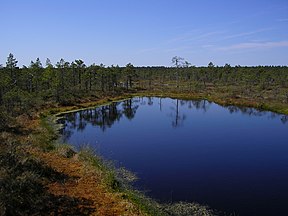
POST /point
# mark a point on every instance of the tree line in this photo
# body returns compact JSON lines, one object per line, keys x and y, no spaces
{"x":61,"y":82}
{"x":24,"y":88}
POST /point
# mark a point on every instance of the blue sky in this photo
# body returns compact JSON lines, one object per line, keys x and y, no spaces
{"x":146,"y":32}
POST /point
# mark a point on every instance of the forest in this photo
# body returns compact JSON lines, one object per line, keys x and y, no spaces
{"x":28,"y":90}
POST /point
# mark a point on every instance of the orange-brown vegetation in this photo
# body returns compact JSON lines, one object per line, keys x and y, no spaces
{"x":82,"y":182}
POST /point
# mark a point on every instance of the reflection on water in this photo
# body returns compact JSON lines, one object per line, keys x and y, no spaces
{"x":231,"y":158}
{"x":105,"y":116}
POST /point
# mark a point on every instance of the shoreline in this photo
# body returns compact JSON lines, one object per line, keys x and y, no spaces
{"x":230,"y":102}
{"x":40,"y":142}
{"x":280,"y":108}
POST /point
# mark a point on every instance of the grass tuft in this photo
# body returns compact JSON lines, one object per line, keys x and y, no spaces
{"x":187,"y":209}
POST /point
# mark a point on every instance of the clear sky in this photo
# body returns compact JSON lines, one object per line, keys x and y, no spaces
{"x":145,"y":32}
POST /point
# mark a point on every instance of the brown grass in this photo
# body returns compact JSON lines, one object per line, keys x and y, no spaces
{"x":83,"y":182}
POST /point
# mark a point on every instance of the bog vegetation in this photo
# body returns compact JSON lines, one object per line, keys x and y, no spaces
{"x":28,"y":90}
{"x":30,"y":87}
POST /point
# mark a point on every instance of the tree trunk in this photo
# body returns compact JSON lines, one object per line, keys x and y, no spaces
{"x":90,"y":80}
{"x":79,"y":78}
{"x":74,"y":77}
{"x":1,"y":96}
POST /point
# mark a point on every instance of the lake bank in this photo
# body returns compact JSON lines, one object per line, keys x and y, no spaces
{"x":42,"y":137}
{"x":218,"y":97}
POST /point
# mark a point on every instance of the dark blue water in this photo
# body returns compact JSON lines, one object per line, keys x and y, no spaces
{"x":232,"y":159}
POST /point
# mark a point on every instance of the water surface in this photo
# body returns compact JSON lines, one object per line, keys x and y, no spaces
{"x":232,"y":159}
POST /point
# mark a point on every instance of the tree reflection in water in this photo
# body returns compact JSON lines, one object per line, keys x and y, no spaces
{"x":178,"y":117}
{"x":105,"y":116}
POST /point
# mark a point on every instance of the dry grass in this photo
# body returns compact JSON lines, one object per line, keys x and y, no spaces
{"x":84,"y":182}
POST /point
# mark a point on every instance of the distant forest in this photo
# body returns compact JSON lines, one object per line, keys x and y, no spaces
{"x":30,"y":87}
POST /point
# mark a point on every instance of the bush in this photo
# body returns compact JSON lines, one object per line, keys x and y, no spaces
{"x":4,"y":119}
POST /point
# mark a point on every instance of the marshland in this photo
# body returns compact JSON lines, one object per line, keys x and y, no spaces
{"x":143,"y":107}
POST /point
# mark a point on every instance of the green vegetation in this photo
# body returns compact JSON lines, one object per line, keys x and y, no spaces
{"x":30,"y":157}
{"x":28,"y":89}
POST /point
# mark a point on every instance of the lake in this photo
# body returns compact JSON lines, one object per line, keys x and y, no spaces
{"x":233,"y":159}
